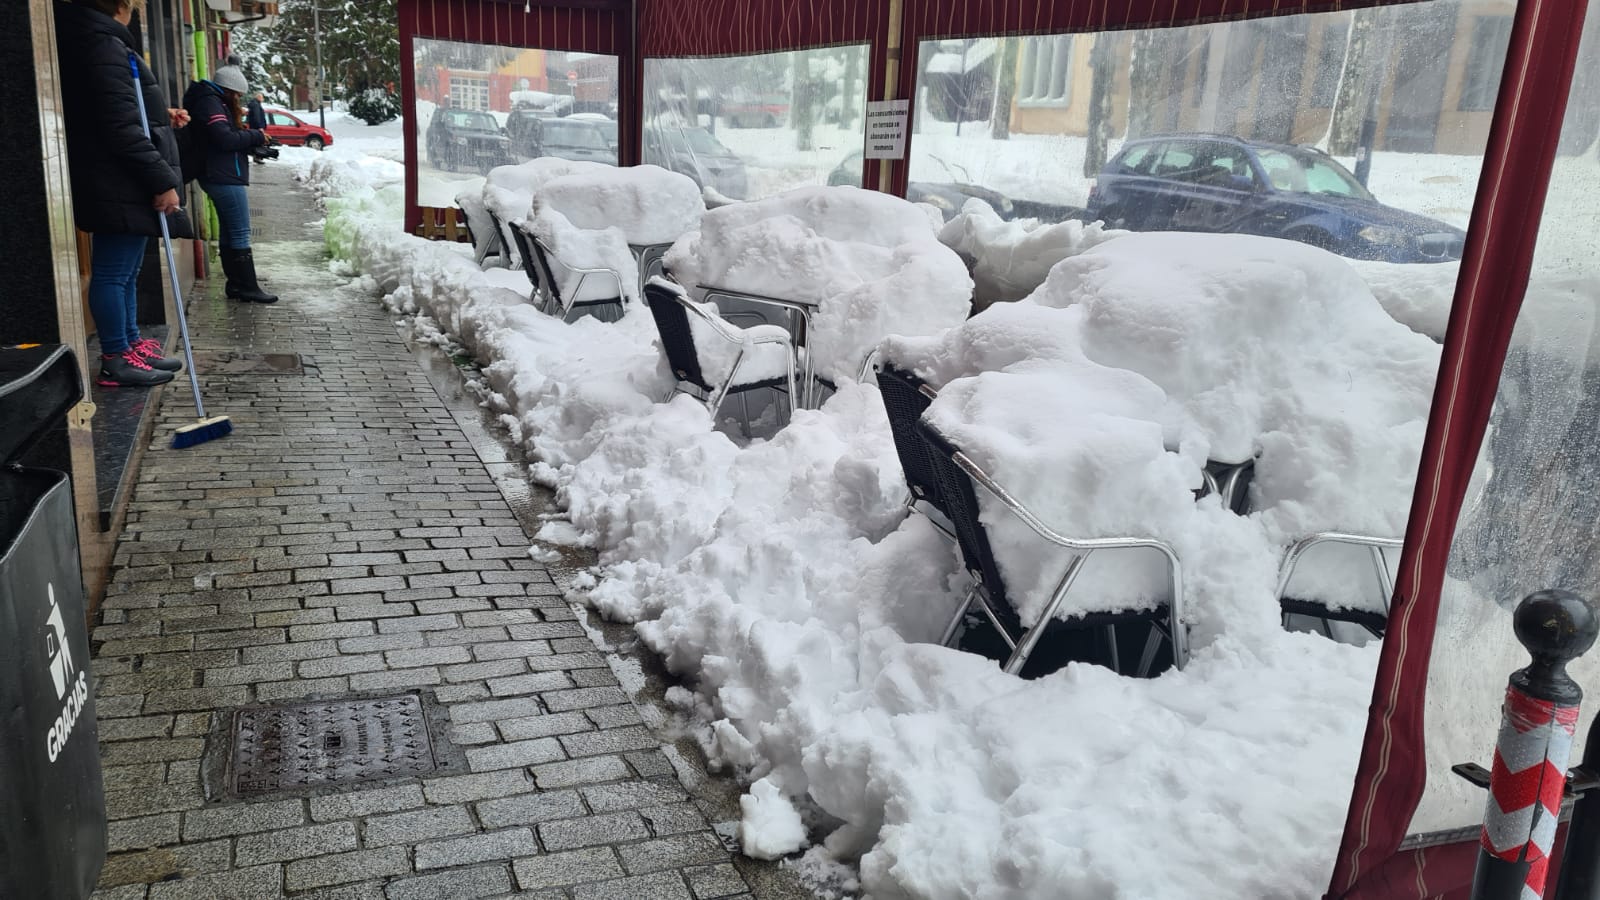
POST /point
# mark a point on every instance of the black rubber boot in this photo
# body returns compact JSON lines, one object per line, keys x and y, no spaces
{"x":230,"y":268}
{"x":241,"y":268}
{"x":129,"y":369}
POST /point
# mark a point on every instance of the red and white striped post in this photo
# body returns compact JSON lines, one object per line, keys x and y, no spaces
{"x":1529,"y":777}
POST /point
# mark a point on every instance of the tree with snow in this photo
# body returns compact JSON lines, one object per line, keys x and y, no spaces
{"x":360,"y":42}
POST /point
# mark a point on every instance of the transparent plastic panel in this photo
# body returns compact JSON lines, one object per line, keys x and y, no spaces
{"x":745,"y":127}
{"x":1530,"y":518}
{"x":1360,"y":133}
{"x":1396,"y":102}
{"x":482,"y":105}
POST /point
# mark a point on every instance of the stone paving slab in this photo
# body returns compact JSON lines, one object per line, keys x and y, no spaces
{"x":349,"y":539}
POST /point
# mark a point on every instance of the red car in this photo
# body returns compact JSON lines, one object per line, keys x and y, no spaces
{"x":291,"y":131}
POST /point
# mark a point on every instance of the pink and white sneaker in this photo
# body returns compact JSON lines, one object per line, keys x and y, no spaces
{"x":128,"y":369}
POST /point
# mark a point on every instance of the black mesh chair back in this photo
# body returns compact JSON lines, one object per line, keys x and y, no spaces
{"x":905,"y":402}
{"x":677,"y":339}
{"x":546,"y":276}
{"x":524,"y":253}
{"x":960,"y":506}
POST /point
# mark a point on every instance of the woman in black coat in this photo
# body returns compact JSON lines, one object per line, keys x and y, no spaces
{"x":121,"y":180}
{"x":214,"y":105}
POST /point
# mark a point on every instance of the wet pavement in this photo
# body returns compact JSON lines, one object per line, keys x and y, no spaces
{"x":356,"y":551}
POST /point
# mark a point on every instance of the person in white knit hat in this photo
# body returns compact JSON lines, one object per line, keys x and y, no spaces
{"x":214,"y":107}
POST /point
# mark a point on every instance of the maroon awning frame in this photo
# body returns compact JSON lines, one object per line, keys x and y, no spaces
{"x":1494,"y":275}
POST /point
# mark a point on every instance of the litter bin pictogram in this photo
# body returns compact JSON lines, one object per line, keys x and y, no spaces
{"x":52,"y":803}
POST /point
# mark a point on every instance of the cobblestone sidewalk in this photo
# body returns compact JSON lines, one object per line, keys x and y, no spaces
{"x":347,"y":540}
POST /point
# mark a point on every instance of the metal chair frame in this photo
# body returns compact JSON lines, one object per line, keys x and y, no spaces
{"x":713,"y":396}
{"x":802,"y":337}
{"x":553,"y":302}
{"x":1380,"y":567}
{"x":795,"y":307}
{"x":1229,"y":481}
{"x":1022,"y":645}
{"x":652,"y":261}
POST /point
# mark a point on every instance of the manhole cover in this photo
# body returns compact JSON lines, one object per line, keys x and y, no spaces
{"x":283,"y":748}
{"x":227,"y":362}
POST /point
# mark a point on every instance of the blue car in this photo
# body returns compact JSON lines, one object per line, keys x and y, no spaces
{"x":1214,"y":183}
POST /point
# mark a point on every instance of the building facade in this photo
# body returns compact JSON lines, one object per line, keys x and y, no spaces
{"x":1283,"y":79}
{"x":45,"y":302}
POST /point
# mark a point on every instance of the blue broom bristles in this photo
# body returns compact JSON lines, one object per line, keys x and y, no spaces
{"x":201,"y":431}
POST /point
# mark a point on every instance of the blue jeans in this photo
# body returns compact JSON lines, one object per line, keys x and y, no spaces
{"x":233,"y":214}
{"x":114,"y":289}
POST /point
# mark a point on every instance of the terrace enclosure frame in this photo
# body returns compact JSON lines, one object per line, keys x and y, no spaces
{"x":1375,"y":859}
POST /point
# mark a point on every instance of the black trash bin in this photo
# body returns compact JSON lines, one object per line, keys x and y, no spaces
{"x":52,"y":804}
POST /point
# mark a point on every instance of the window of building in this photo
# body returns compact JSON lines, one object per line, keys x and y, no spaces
{"x":463,"y":56}
{"x":1330,"y":63}
{"x":469,"y":93}
{"x":1044,"y":76}
{"x":1491,"y":36}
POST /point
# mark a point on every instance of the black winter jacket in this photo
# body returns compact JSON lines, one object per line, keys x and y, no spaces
{"x":220,"y":137}
{"x":116,"y":171}
{"x":254,"y":115}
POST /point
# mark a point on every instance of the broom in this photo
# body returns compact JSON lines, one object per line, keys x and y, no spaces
{"x":202,"y":429}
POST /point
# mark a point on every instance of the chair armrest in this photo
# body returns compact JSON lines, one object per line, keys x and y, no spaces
{"x":1376,"y":545}
{"x":984,"y":480}
{"x":583,"y":275}
{"x":766,"y":334}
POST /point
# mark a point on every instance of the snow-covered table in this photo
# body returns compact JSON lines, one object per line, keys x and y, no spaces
{"x":851,"y":267}
{"x":1108,"y":390}
{"x":614,"y":219}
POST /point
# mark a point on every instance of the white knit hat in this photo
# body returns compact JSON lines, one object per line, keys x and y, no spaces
{"x":230,"y":78}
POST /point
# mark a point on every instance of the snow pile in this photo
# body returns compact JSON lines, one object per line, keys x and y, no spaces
{"x":569,"y":249}
{"x":508,"y":191}
{"x":340,"y":172}
{"x":1417,"y":296}
{"x":1224,"y":348}
{"x":869,"y":263}
{"x":1008,"y":260}
{"x":588,"y":218}
{"x":783,"y":581}
{"x":540,"y":100}
{"x":1270,"y":349}
{"x":649,"y":204}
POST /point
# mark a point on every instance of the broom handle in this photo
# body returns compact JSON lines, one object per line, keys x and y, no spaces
{"x":172,"y":261}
